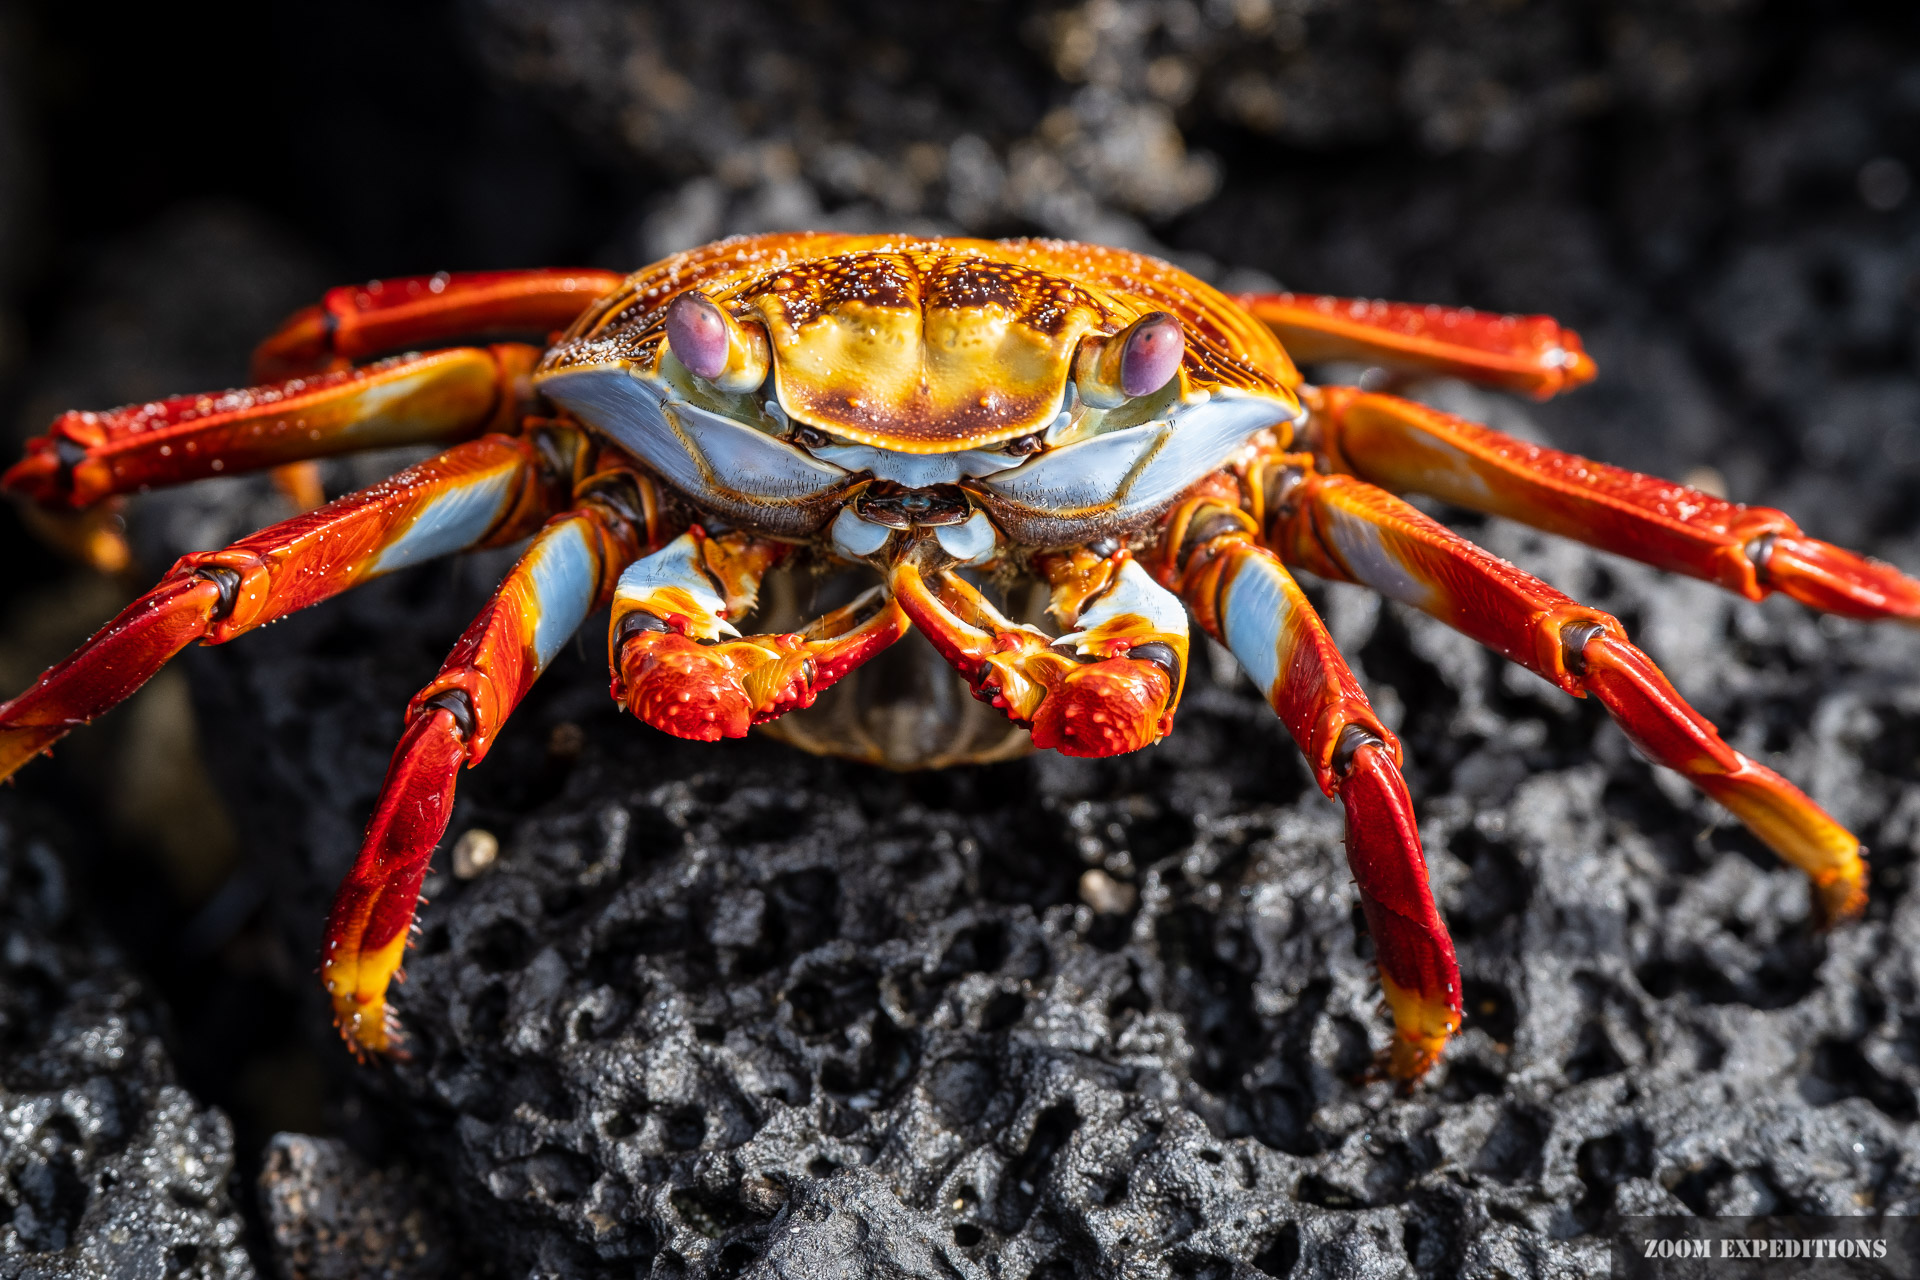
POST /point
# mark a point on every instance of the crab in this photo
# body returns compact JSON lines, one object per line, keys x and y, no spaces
{"x":915,"y":469}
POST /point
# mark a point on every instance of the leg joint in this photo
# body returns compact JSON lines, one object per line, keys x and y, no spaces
{"x":456,"y":703}
{"x":1160,"y":655}
{"x":227,"y":582}
{"x":1574,"y":639}
{"x":1211,"y":522}
{"x":1352,"y":738}
{"x":636,"y":623}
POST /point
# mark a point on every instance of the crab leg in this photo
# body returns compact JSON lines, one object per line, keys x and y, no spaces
{"x":1344,"y":528}
{"x":486,"y":491}
{"x":1532,"y":354}
{"x":354,"y":322}
{"x":569,"y":567}
{"x":439,"y":397}
{"x":675,"y":668}
{"x":1244,"y":598}
{"x":1752,"y":551}
{"x":1106,"y":688}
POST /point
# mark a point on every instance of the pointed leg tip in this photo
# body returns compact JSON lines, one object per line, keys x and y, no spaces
{"x":1410,"y":1060}
{"x":1842,"y":899}
{"x":19,"y":747}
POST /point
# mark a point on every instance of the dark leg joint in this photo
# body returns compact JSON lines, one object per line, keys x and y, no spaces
{"x":457,"y":704}
{"x":618,"y":495}
{"x":227,"y":582}
{"x":1280,"y":489}
{"x":1208,"y":524}
{"x":635,"y":623}
{"x":1352,"y":738}
{"x":70,"y":453}
{"x":1160,"y":655}
{"x":1574,"y":639}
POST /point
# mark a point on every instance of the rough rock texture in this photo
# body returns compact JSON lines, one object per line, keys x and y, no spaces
{"x":107,"y":1166}
{"x":332,"y":1216}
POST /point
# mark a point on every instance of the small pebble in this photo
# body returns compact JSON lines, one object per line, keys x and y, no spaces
{"x":474,"y":852}
{"x":566,"y":741}
{"x":1107,"y":896}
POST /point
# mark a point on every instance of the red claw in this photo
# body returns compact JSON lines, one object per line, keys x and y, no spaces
{"x":683,"y":688}
{"x":1105,"y":709}
{"x":705,"y":692}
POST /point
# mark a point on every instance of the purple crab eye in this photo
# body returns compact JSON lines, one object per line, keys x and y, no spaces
{"x":1151,"y":356}
{"x":697,"y":334}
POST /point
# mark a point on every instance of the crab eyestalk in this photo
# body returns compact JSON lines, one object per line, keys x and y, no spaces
{"x":1137,"y":361}
{"x":733,"y":355}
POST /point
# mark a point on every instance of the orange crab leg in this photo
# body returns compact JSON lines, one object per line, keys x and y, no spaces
{"x":1344,"y":528}
{"x":486,"y":491}
{"x":1245,"y":599}
{"x":435,"y":398}
{"x":354,"y":322}
{"x":454,"y":720}
{"x":675,"y":668}
{"x":1752,"y":551}
{"x":1532,"y":354}
{"x":1107,"y":688}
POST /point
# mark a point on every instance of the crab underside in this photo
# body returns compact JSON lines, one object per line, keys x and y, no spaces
{"x":920,"y":503}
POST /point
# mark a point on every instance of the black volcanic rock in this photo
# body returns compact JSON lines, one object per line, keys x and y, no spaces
{"x":108,"y":1167}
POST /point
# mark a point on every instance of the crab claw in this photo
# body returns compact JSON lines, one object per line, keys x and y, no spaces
{"x":1104,"y":690}
{"x":675,"y":667}
{"x":709,"y":692}
{"x":680,"y":686}
{"x":1105,"y":708}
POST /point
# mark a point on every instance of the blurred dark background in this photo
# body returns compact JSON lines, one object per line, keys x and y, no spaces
{"x":1718,"y":194}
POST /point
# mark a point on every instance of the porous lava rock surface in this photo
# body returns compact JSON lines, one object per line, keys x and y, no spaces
{"x":731,"y":1009}
{"x":108,"y":1167}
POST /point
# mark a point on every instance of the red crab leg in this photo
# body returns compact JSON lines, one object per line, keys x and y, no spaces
{"x":434,"y":398}
{"x":1105,"y":689}
{"x":569,"y":567}
{"x":1532,"y":354}
{"x":1753,"y":551}
{"x":1344,"y":528}
{"x":1247,"y":601}
{"x":675,"y":668}
{"x":354,"y":322}
{"x":488,"y":490}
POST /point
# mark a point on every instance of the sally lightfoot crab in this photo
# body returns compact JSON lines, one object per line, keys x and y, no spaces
{"x":846,"y":441}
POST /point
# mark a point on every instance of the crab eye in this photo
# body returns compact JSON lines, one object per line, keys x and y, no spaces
{"x":1137,"y":361}
{"x":1151,"y":354}
{"x":1021,"y":446}
{"x":731,"y":354}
